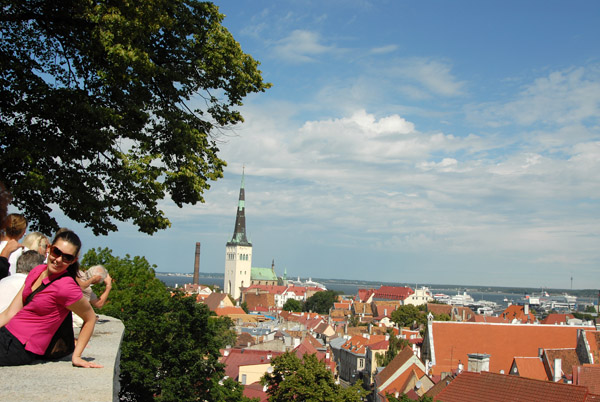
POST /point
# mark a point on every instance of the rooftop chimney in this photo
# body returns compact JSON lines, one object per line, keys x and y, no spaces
{"x":526,"y":309}
{"x":479,"y":362}
{"x":197,"y":265}
{"x":557,"y":370}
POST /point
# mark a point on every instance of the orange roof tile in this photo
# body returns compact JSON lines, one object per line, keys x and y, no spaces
{"x":399,"y":383}
{"x":397,"y":362}
{"x":492,"y":387}
{"x":489,"y":318}
{"x":514,"y":311}
{"x":568,"y":357}
{"x":393,"y":292}
{"x":593,"y":339}
{"x":555,"y":318}
{"x":222,"y":311}
{"x":453,"y":341}
{"x":588,"y":375}
{"x":357,"y":344}
{"x":530,"y":367}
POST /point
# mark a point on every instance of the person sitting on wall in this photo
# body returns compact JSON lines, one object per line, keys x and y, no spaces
{"x":27,"y":330}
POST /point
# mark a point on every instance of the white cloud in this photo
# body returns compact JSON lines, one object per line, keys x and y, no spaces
{"x":301,"y":47}
{"x":384,"y":49}
{"x":432,"y":76}
{"x":562,"y":98}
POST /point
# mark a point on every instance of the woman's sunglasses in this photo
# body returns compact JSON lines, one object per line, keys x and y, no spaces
{"x":56,"y":253}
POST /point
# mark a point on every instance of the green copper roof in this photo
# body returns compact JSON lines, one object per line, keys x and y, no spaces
{"x":263,"y":274}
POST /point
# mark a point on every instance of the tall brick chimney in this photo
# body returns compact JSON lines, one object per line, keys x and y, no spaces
{"x":197,"y":265}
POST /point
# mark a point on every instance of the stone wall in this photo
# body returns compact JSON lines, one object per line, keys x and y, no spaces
{"x":59,"y":381}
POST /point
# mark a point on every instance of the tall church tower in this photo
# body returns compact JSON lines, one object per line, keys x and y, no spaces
{"x":238,"y":253}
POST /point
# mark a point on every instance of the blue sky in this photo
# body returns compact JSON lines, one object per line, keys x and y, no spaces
{"x":416,"y":142}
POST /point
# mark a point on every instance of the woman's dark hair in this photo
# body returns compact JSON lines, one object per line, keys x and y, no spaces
{"x":70,"y":237}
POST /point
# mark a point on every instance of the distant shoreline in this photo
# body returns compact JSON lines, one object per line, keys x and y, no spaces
{"x":591,"y":293}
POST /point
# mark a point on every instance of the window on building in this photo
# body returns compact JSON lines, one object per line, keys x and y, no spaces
{"x":243,"y":379}
{"x":361,"y":363}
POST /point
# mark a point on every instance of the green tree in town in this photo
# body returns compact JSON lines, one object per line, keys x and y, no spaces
{"x":292,"y":305}
{"x":407,"y":315}
{"x":108,"y":107}
{"x":321,"y":302}
{"x":395,"y":345}
{"x":306,"y":380}
{"x":170,"y":348}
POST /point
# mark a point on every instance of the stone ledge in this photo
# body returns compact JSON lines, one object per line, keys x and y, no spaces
{"x":59,"y":381}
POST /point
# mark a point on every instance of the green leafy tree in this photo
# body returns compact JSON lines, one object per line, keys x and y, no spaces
{"x":395,"y":345}
{"x":321,"y":302}
{"x":170,"y":347}
{"x":107,"y":107}
{"x":407,"y":315}
{"x":292,"y":305}
{"x":306,"y":380}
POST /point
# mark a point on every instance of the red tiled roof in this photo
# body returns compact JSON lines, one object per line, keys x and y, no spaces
{"x":401,"y":358}
{"x":399,"y":384}
{"x":393,"y":292}
{"x":357,"y":344}
{"x":530,"y":367}
{"x":214,"y":300}
{"x":593,"y":339}
{"x":489,"y":318}
{"x":255,"y":390}
{"x":588,"y":376}
{"x":568,"y":357}
{"x":453,"y":341}
{"x":244,"y":357}
{"x":555,"y":318}
{"x":492,"y":387}
{"x":364,"y":294}
{"x":517,"y":312}
{"x":222,"y":311}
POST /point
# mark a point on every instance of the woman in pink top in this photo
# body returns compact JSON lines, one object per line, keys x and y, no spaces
{"x":26,"y":331}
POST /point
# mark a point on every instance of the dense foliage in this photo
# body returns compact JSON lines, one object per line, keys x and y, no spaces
{"x":306,"y":380}
{"x":409,"y":315}
{"x":321,"y":302}
{"x":171,"y":344}
{"x":107,"y":107}
{"x":292,"y":305}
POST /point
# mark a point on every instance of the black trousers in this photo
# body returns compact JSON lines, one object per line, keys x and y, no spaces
{"x":12,"y":352}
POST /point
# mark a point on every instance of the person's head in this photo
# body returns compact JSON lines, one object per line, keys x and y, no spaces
{"x":36,"y":241}
{"x":96,"y":270}
{"x":14,"y":226}
{"x":28,"y":261}
{"x":63,"y":253}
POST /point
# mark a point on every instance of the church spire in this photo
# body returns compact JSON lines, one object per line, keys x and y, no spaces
{"x":239,"y":232}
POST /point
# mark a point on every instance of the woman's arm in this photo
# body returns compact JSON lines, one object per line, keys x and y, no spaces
{"x":85,"y":284}
{"x":15,"y":306}
{"x":83,"y":309}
